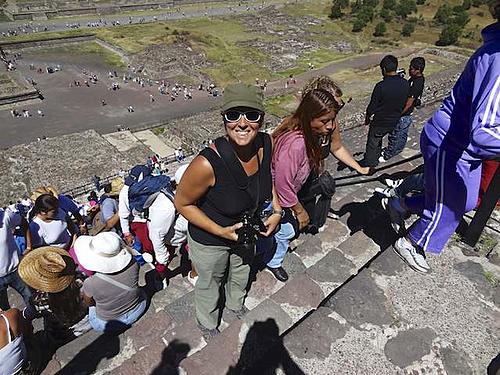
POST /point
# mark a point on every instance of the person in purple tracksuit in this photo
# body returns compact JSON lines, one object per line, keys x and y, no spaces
{"x":464,"y":131}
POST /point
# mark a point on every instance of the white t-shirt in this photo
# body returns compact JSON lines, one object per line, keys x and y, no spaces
{"x":9,"y":257}
{"x":53,"y":233}
{"x":124,"y":211}
{"x":161,"y":226}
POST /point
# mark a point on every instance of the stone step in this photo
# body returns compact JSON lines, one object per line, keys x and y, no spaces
{"x":156,"y":145}
{"x":126,"y":143}
{"x":317,"y":267}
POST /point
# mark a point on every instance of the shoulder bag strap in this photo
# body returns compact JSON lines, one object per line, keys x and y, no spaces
{"x":113,"y":282}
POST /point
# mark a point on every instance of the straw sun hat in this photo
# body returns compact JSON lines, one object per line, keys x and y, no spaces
{"x":49,"y":269}
{"x":104,"y":252}
{"x":44,"y":190}
{"x":116,"y":186}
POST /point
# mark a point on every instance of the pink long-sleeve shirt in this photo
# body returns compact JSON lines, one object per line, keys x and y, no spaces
{"x":290,"y":167}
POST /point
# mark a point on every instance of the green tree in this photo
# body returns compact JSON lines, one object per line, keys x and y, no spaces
{"x":405,"y":7}
{"x":389,"y":4}
{"x":358,"y":25}
{"x":478,"y":3}
{"x":449,"y":35}
{"x":443,"y":14}
{"x":408,"y":29}
{"x":370,"y":3}
{"x":380,"y":29}
{"x":385,"y":14}
{"x":461,"y":18}
{"x":336,"y":11}
{"x":366,"y":14}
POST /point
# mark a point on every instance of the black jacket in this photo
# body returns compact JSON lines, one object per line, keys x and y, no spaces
{"x":387,"y":102}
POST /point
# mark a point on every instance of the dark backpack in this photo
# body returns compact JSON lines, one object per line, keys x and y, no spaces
{"x":142,"y":194}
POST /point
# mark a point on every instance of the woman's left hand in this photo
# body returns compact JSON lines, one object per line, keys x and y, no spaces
{"x":271,"y":223}
{"x":364,"y":170}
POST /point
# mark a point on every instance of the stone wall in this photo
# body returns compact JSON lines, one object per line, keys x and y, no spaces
{"x":30,"y":10}
{"x":65,"y":162}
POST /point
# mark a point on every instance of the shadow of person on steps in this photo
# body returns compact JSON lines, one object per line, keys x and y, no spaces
{"x":87,"y":360}
{"x":171,"y":356}
{"x":263,"y":352}
{"x":370,"y":218}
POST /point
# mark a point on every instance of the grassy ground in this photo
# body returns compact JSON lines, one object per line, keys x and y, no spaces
{"x":86,"y":48}
{"x":281,"y":105}
{"x":45,"y":35}
{"x":7,"y":84}
{"x":318,"y":58}
{"x":216,"y":38}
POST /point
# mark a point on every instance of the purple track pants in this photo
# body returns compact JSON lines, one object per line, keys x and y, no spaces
{"x":451,"y":189}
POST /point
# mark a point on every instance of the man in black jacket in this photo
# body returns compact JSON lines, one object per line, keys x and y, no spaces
{"x":385,"y":109}
{"x":399,"y":136}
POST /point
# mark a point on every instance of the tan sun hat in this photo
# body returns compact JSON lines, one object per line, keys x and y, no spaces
{"x":49,"y":269}
{"x":44,"y":190}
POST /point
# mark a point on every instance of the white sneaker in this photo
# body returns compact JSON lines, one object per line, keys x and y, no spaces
{"x":381,"y":159}
{"x":397,"y":218}
{"x":192,"y":279}
{"x":387,"y":192}
{"x":393,"y":183}
{"x":410,"y":256}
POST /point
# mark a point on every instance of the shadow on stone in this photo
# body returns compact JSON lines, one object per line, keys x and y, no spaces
{"x":370,"y":218}
{"x":263,"y":352}
{"x":171,"y":356}
{"x":494,"y":366}
{"x":87,"y":360}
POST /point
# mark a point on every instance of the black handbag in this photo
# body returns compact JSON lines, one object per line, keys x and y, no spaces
{"x":316,"y":197}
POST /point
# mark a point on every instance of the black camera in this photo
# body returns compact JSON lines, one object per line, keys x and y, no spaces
{"x":247,"y":234}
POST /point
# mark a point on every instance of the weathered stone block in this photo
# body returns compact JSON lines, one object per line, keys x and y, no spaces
{"x":409,"y":346}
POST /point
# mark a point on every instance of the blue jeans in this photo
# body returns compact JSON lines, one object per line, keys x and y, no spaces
{"x":119,"y":324}
{"x":414,"y":182}
{"x":282,"y":237}
{"x":398,"y":137}
{"x":14,"y":281}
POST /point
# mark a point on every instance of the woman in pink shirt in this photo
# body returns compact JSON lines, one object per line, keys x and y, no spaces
{"x":301,"y":142}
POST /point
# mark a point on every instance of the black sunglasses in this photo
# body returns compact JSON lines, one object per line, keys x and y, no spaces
{"x":235,"y":116}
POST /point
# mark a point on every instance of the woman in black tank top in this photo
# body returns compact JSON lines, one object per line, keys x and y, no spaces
{"x":213,"y":199}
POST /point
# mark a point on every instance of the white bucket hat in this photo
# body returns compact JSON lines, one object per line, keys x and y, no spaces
{"x":104,"y":252}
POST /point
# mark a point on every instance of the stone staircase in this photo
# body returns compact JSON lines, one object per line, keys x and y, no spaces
{"x":318,"y":266}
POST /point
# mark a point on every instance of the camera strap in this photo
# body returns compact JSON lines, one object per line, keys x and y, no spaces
{"x":236,"y":170}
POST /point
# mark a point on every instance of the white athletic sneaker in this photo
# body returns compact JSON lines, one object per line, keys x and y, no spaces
{"x":409,"y":254}
{"x":381,"y":159}
{"x":387,"y":192}
{"x":397,"y":217}
{"x":192,"y":279}
{"x":419,"y":258}
{"x":393,"y":183}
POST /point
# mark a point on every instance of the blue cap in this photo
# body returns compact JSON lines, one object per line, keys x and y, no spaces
{"x":137,"y":173}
